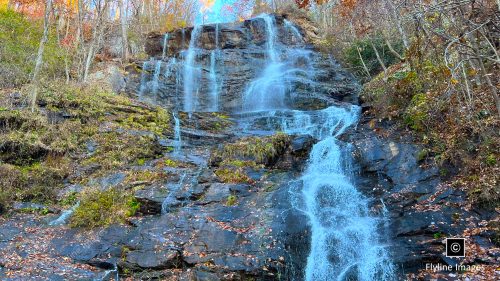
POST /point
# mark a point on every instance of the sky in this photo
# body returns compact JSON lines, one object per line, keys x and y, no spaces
{"x":218,"y":11}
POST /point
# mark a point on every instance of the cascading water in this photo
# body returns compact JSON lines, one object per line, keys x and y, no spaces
{"x":214,"y":85}
{"x":192,"y":72}
{"x":344,"y":240}
{"x":267,"y":91}
{"x":177,"y":135}
{"x":156,"y":77}
{"x":214,"y":81}
{"x":165,"y":46}
{"x":65,"y":215}
{"x":170,"y":199}
{"x":285,"y":66}
{"x":293,"y":29}
{"x":344,"y":243}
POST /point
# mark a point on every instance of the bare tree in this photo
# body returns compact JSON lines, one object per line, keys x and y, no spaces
{"x":123,"y":19}
{"x":41,"y":47}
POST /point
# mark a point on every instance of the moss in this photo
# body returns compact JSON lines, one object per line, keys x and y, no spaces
{"x":416,"y":114}
{"x":170,"y":163}
{"x":39,"y":181}
{"x":231,"y":200}
{"x":239,"y":163}
{"x":232,"y":175}
{"x":70,"y":199}
{"x":101,"y":208}
{"x":439,"y":235}
{"x":145,"y":175}
{"x":491,"y":160}
{"x":115,"y":150}
{"x":422,"y":154}
{"x":257,"y":149}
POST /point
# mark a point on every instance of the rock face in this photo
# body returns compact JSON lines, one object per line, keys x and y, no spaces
{"x":233,"y":54}
{"x":420,"y":210}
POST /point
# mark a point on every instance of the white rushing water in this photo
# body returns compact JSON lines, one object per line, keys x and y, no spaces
{"x":165,"y":46}
{"x":156,"y":78}
{"x":268,"y":90}
{"x":144,"y":75}
{"x":170,"y":199}
{"x":214,"y":83}
{"x":177,"y":135}
{"x":192,"y":72}
{"x":284,"y":66}
{"x":344,"y":240}
{"x":65,"y":215}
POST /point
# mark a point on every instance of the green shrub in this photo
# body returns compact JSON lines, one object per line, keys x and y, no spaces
{"x":20,"y":39}
{"x":416,"y":114}
{"x":351,"y":56}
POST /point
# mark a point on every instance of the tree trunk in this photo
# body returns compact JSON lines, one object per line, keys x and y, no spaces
{"x":397,"y":18}
{"x":363,"y":63}
{"x":396,"y":54}
{"x":41,"y":47}
{"x":380,"y":61}
{"x":96,"y":37}
{"x":123,"y":20}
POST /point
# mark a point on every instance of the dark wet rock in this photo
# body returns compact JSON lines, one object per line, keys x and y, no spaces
{"x":216,"y":192}
{"x":151,"y":199}
{"x":70,"y":189}
{"x":241,"y":56}
{"x":152,"y":259}
{"x":32,"y":207}
{"x":301,"y":145}
{"x":240,"y":189}
{"x":109,"y":181}
{"x":205,"y":276}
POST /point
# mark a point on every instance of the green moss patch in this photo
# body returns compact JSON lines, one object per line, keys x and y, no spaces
{"x":258,"y":150}
{"x":102,"y":208}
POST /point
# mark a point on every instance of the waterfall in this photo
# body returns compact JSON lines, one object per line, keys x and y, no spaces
{"x":177,"y":135}
{"x":344,"y":243}
{"x":268,"y":90}
{"x":170,"y":67}
{"x":214,"y":81}
{"x":165,"y":46}
{"x":165,"y":206}
{"x":65,"y":215}
{"x":217,"y":36}
{"x":191,"y":72}
{"x":293,"y":30}
{"x":344,"y":240}
{"x":214,"y":84}
{"x":285,"y":66}
{"x":156,"y":77}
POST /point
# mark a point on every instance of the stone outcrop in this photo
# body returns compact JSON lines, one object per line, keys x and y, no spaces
{"x":241,"y":56}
